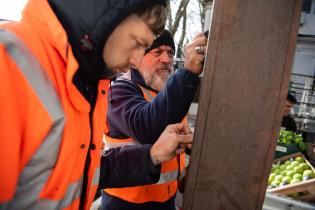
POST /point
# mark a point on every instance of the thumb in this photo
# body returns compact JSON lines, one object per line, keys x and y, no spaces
{"x":177,"y":128}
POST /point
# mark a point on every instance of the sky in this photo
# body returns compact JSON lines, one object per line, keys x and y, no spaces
{"x":11,"y":9}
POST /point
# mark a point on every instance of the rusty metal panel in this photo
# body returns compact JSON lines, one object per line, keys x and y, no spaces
{"x":247,"y":69}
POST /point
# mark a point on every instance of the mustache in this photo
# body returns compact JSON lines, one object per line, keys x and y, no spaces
{"x":165,"y":67}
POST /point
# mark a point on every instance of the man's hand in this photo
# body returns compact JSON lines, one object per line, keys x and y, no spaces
{"x":174,"y":139}
{"x":195,"y":54}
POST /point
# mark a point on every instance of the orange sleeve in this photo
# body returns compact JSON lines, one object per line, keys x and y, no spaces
{"x":10,"y":128}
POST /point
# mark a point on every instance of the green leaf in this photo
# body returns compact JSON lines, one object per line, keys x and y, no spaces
{"x":302,"y":146}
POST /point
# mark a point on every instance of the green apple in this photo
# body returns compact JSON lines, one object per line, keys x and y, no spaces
{"x":283,"y":167}
{"x":290,"y":173}
{"x":300,"y":159}
{"x":298,"y":176}
{"x":294,"y":163}
{"x":305,"y":166}
{"x":275,"y":167}
{"x":278,"y":178}
{"x":275,"y":183}
{"x":277,"y":171}
{"x":298,"y":169}
{"x":286,"y":179}
{"x":289,"y":167}
{"x":294,"y":181}
{"x":283,"y":173}
{"x":309,"y":173}
{"x":272,"y":176}
{"x":287,"y":162}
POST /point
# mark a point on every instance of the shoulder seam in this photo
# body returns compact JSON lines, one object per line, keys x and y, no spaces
{"x":125,"y":82}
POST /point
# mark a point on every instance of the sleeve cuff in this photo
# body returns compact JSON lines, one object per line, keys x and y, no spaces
{"x":188,"y":76}
{"x":154,"y":170}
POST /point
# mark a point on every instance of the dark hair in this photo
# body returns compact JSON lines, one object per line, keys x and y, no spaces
{"x":291,"y":98}
{"x":157,"y":13}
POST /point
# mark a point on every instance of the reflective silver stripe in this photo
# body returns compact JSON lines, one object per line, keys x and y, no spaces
{"x":164,"y":177}
{"x":38,"y":169}
{"x":169,"y":176}
{"x":73,"y":192}
{"x":96,"y":176}
{"x":148,"y":93}
{"x":109,"y":144}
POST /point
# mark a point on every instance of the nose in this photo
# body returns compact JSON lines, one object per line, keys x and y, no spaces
{"x":165,"y":58}
{"x":136,"y":58}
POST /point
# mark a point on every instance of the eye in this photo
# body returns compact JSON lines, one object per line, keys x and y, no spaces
{"x":171,"y":53}
{"x":157,"y":53}
{"x":137,"y":44}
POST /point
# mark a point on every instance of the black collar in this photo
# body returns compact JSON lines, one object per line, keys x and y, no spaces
{"x":137,"y":78}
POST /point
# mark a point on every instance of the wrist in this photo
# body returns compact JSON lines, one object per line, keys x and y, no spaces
{"x":154,"y":156}
{"x":188,"y":74}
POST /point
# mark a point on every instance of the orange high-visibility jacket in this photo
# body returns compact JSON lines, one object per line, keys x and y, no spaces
{"x":44,"y":120}
{"x":165,"y":188}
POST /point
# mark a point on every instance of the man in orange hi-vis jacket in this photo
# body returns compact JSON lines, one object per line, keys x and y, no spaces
{"x":55,"y":66}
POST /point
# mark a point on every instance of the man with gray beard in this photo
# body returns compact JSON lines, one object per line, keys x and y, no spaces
{"x":141,"y":103}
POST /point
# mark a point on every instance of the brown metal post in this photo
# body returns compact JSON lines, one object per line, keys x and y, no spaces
{"x":247,"y":69}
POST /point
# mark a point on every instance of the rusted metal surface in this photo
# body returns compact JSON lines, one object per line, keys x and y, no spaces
{"x":247,"y":69}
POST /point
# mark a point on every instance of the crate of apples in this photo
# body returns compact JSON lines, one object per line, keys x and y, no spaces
{"x":292,"y":175}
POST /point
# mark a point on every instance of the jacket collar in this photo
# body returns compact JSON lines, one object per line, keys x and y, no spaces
{"x":40,"y":15}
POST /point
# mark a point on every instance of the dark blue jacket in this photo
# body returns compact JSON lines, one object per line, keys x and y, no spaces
{"x":131,"y":115}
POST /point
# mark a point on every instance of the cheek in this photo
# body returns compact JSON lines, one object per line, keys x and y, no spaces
{"x":149,"y":65}
{"x":109,"y":52}
{"x":119,"y":52}
{"x":153,"y":62}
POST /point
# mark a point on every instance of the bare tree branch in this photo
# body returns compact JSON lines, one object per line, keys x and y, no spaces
{"x":202,"y":12}
{"x":179,"y":53}
{"x":169,"y":14}
{"x":179,"y":14}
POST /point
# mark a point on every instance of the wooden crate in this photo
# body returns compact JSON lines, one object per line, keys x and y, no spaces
{"x":305,"y":188}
